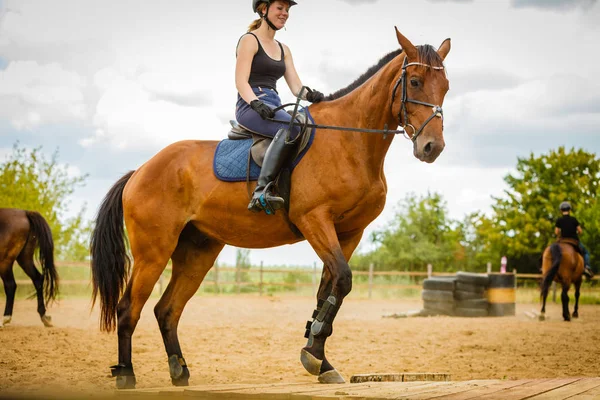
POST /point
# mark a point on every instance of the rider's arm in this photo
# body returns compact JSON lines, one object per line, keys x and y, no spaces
{"x":557,"y":231}
{"x":579,"y":230}
{"x":291,"y":76}
{"x":247,"y":48}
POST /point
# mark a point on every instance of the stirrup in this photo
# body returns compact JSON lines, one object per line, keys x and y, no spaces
{"x":587,"y":271}
{"x":260,"y":203}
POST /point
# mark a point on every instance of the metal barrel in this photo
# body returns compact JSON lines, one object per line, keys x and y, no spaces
{"x":501,"y":295}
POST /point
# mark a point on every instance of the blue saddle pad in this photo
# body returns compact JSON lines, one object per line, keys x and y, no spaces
{"x":231,"y":158}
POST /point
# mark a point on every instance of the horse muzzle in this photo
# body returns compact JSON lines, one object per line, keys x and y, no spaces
{"x":427,"y":150}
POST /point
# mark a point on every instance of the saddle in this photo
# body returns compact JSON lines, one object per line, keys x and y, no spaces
{"x":572,"y":242}
{"x":260,"y":142}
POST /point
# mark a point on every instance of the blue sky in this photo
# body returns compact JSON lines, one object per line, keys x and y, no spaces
{"x":111,"y":83}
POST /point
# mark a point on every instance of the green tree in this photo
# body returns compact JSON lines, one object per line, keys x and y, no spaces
{"x":30,"y":181}
{"x":420,"y":233}
{"x":523,"y":221}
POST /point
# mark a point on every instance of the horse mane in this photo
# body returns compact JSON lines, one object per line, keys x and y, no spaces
{"x":427,"y":55}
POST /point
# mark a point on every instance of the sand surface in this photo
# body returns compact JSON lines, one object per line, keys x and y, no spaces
{"x":251,"y":339}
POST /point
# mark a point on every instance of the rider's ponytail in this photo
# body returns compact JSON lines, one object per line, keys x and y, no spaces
{"x":257,"y":22}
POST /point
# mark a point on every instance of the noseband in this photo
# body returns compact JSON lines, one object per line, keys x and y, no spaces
{"x":403,"y":114}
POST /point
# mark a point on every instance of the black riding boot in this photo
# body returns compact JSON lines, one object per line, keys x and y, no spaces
{"x":276,"y":156}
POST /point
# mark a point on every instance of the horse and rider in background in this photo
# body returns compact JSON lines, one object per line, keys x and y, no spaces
{"x":565,"y":262}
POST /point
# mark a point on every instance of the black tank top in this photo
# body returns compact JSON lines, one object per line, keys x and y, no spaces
{"x":264,"y":70}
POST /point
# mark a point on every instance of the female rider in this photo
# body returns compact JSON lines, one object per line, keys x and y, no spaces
{"x":261,"y":61}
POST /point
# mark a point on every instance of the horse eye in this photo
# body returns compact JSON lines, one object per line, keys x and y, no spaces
{"x":414,"y":82}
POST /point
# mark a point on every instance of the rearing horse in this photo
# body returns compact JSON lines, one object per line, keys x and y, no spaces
{"x":563,"y":264}
{"x":175,"y":208}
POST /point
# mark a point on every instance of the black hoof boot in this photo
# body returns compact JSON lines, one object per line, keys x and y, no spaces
{"x":180,"y":374}
{"x":125,"y":382}
{"x":125,"y":376}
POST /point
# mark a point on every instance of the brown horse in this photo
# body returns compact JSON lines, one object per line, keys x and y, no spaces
{"x":562,"y":263}
{"x":174,"y":207}
{"x":21,"y":233}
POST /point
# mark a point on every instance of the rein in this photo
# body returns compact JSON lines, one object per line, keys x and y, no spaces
{"x":306,"y":124}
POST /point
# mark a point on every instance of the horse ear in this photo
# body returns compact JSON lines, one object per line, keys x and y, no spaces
{"x":407,"y":46}
{"x":444,"y":48}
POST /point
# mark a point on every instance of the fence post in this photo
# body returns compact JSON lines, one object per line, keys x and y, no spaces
{"x":489,"y":268}
{"x":237,"y":277}
{"x":216,"y":267}
{"x":260,"y":285}
{"x":371,"y":267}
{"x":314,"y":279}
{"x":429,"y":270}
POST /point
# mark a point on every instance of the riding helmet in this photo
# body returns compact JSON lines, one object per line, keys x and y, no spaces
{"x":565,"y":206}
{"x":255,"y":3}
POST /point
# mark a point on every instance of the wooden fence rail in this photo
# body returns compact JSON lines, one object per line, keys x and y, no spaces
{"x":218,"y":281}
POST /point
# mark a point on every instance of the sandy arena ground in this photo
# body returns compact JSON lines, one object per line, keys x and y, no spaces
{"x":251,"y":339}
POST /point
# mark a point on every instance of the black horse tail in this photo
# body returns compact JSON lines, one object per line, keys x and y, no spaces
{"x":43,"y":234}
{"x":556,"y":255}
{"x":110,"y":261}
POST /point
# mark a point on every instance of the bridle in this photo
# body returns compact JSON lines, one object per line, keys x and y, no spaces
{"x":402,"y":113}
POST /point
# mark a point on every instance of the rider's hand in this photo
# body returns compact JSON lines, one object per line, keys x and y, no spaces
{"x":314,"y":96}
{"x":262,"y":109}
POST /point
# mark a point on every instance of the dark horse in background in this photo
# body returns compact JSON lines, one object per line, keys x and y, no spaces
{"x":562,"y":263}
{"x":175,"y":208}
{"x":21,"y":233}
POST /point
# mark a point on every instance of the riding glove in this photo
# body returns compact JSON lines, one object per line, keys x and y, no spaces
{"x":314,"y":96}
{"x":262,"y":109}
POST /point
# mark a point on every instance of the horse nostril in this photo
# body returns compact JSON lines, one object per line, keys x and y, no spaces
{"x":427,"y":148}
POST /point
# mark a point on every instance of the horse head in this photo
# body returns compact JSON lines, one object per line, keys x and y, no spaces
{"x":420,"y":92}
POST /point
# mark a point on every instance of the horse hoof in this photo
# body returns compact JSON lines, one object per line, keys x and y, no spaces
{"x":179,"y":371}
{"x":310,"y":362}
{"x":125,"y":382}
{"x":567,"y":319}
{"x":575,"y":315}
{"x":7,"y":319}
{"x":47,"y":321}
{"x":331,"y":377}
{"x":542,"y":317}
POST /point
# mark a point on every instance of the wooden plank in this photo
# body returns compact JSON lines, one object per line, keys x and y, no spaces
{"x":529,"y":389}
{"x":378,"y":390}
{"x":489,"y":389}
{"x":427,"y":376}
{"x":392,"y":377}
{"x":213,"y":391}
{"x":593,"y":393}
{"x":568,"y":391}
{"x":455,"y":387}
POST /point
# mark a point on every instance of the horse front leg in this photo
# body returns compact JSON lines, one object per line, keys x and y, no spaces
{"x":336,"y":283}
{"x":565,"y":302}
{"x":577,"y":293}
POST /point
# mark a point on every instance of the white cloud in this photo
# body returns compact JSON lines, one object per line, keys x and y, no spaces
{"x":33,"y":94}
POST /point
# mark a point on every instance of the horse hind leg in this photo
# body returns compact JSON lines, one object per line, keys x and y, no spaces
{"x":25,"y":260}
{"x":565,"y":302}
{"x":577,"y":293}
{"x":151,"y":251}
{"x":192,"y":259}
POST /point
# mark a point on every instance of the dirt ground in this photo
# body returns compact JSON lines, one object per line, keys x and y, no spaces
{"x":250,"y":339}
